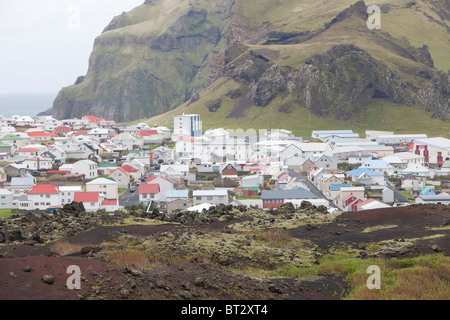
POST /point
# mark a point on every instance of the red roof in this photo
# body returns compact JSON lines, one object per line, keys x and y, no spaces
{"x":85,"y":196}
{"x":37,"y":134}
{"x":129,"y":168}
{"x":62,"y":129}
{"x":121,"y":169}
{"x":109,"y":202}
{"x":146,"y":133}
{"x":92,"y":118}
{"x":44,"y":188}
{"x":27,"y":150}
{"x":150,"y":179}
{"x":148,"y":188}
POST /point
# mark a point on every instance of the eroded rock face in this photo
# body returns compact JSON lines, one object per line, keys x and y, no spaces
{"x":134,"y":74}
{"x":158,"y":72}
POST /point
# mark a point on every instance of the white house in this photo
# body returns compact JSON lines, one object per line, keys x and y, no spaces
{"x":87,"y":167}
{"x":68,"y":192}
{"x":121,"y":176}
{"x":6,"y":199}
{"x":149,"y":192}
{"x":41,"y":197}
{"x":164,"y":185}
{"x":106,"y":187}
{"x":214,"y":197}
{"x":91,"y":200}
{"x":127,"y":141}
{"x":379,"y":166}
{"x":38,"y":163}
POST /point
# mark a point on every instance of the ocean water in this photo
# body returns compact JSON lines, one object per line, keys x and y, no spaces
{"x":25,"y":104}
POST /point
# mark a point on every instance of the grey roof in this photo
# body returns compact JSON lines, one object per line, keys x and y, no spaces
{"x":287,"y":194}
{"x":27,"y":181}
{"x":439,"y":197}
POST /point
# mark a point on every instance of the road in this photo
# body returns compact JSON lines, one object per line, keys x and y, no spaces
{"x":129,"y":198}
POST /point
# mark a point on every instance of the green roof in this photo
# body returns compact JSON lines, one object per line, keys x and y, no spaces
{"x":4,"y":145}
{"x":11,"y":137}
{"x":107,"y":165}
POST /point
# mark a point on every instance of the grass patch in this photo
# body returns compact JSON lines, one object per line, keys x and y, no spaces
{"x":64,"y":248}
{"x":422,"y":278}
{"x":7,"y":213}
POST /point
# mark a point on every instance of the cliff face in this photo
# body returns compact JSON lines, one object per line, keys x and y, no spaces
{"x":143,"y":65}
{"x":159,"y":56}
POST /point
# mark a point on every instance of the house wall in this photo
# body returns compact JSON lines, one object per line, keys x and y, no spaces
{"x":214,"y":200}
{"x":109,"y":191}
{"x":147,"y":197}
{"x":44,"y":201}
{"x":178,"y":204}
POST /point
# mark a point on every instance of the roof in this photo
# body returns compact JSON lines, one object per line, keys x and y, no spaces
{"x":438,"y":142}
{"x":70,"y":188}
{"x":148,"y":188}
{"x":38,"y":134}
{"x":109,"y":202}
{"x":338,"y":186}
{"x":146,"y":133}
{"x":287,"y":194}
{"x":432,"y":197}
{"x":86,"y":196}
{"x":377,"y":164}
{"x":44,"y":188}
{"x":27,"y":150}
{"x":359,"y":171}
{"x":129,"y":168}
{"x":203,"y":193}
{"x":177,"y":193}
{"x":11,"y":137}
{"x":22,"y":181}
{"x":120,"y":169}
{"x":151,"y":179}
{"x":372,"y":204}
{"x":102,"y":181}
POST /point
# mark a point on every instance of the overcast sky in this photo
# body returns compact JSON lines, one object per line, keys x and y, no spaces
{"x":45,"y":44}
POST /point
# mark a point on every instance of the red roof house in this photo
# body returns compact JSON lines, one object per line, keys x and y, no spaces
{"x":92,"y":119}
{"x":86,"y":196}
{"x":149,"y":192}
{"x":44,"y":189}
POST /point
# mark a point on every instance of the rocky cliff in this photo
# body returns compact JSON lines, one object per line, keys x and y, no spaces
{"x":287,"y":55}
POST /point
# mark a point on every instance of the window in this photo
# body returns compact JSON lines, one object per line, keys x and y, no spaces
{"x":208,"y":198}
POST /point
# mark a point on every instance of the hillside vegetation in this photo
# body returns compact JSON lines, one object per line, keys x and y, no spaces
{"x":299,"y":65}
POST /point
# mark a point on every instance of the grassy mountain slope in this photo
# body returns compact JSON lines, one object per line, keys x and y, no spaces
{"x":148,"y":61}
{"x":298,"y":33}
{"x":254,"y":63}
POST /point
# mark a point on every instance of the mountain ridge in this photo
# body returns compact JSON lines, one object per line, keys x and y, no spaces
{"x":333,"y":68}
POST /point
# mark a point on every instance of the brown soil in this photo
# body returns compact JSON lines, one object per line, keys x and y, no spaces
{"x":101,"y":280}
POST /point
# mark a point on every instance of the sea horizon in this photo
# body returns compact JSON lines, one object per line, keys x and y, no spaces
{"x":25,"y":104}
